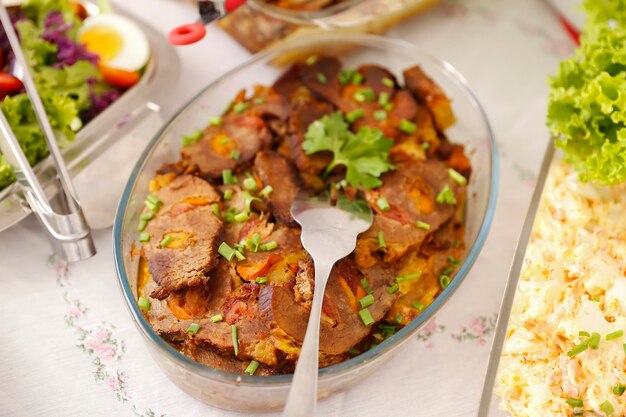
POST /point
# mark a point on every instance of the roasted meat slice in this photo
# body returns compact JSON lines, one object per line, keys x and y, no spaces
{"x":276,"y":171}
{"x":411,"y":192}
{"x":188,"y":191}
{"x":429,"y":93}
{"x":182,"y":248}
{"x":322,"y":77}
{"x":229,"y":146}
{"x":341,"y":326}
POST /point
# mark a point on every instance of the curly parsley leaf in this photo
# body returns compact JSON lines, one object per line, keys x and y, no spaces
{"x":365,"y":154}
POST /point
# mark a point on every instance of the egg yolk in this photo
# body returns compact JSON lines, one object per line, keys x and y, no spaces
{"x":104,"y":41}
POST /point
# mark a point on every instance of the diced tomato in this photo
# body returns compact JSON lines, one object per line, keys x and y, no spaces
{"x":119,"y":78}
{"x":9,"y":83}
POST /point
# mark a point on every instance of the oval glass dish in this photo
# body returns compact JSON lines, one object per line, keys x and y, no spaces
{"x":261,"y":393}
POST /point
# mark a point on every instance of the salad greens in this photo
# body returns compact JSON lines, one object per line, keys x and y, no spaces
{"x":587,"y":104}
{"x":365,"y":154}
{"x":67,"y":78}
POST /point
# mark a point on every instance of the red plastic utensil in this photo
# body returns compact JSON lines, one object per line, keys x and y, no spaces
{"x":209,"y":11}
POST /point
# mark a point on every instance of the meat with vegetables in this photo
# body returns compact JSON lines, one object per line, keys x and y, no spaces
{"x":225,"y":278}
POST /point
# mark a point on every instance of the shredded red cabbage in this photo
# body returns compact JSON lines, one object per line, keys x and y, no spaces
{"x":68,"y":52}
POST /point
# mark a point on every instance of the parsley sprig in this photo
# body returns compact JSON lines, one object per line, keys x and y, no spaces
{"x":365,"y":154}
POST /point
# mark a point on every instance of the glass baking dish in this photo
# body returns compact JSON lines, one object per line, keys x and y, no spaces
{"x":138,"y":104}
{"x":259,"y":393}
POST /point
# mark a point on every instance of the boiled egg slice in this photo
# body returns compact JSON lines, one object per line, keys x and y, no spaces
{"x":119,"y":42}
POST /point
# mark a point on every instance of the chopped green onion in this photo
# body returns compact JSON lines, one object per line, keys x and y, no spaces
{"x":453,"y":261}
{"x":366,"y":286}
{"x":144,"y":303}
{"x":215,"y":121}
{"x":619,"y":389}
{"x":581,"y":347}
{"x":241,"y":107}
{"x":366,"y":317}
{"x":166,"y":240}
{"x":425,"y":145}
{"x":250,"y":184}
{"x":615,"y":335}
{"x":444,"y":281}
{"x":624,"y":346}
{"x":193,"y":328}
{"x":457,"y":244}
{"x":239,"y":247}
{"x":226,"y":251}
{"x":154,"y":199}
{"x":239,"y":255}
{"x":594,"y":340}
{"x":422,"y":225}
{"x":355,"y":115}
{"x":234,"y":154}
{"x":380,"y":115}
{"x":583,"y":333}
{"x":381,"y":240}
{"x":217,"y":318}
{"x":446,"y":196}
{"x":418,"y":306}
{"x":228,"y":194}
{"x":398,"y":318}
{"x":447,"y":271}
{"x":364,"y":94}
{"x":258,"y":100}
{"x":388,"y":106}
{"x":227,"y":177}
{"x":216,"y":209}
{"x":393,"y":288}
{"x":142,"y":225}
{"x":388,"y":82}
{"x":145,"y":237}
{"x":266,"y":191}
{"x":312,"y":59}
{"x":383,"y":98}
{"x":383,"y":204}
{"x":147,"y":216}
{"x":456,"y":177}
{"x":192,"y":138}
{"x":378,"y":337}
{"x":229,"y":106}
{"x":345,"y":76}
{"x":253,"y":243}
{"x":407,"y":126}
{"x":574,"y":402}
{"x":357,"y":79}
{"x":354,"y":351}
{"x":321,"y":78}
{"x":261,"y":280}
{"x":366,"y":301}
{"x":268,"y":246}
{"x":251,"y":369}
{"x":607,"y":408}
{"x":241,"y":217}
{"x":233,"y":333}
{"x":407,"y":277}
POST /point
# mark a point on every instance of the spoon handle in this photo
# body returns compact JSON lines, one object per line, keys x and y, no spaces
{"x":303,"y":393}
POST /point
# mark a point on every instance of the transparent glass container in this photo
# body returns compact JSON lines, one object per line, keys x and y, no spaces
{"x":260,"y":393}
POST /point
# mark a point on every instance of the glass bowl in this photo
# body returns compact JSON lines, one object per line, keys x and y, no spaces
{"x":261,"y":393}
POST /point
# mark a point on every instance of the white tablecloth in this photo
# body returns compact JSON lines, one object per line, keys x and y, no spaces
{"x":67,"y":343}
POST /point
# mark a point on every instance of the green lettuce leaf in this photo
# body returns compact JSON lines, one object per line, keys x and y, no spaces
{"x":587,"y":103}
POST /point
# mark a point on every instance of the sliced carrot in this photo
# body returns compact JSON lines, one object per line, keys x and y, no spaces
{"x":252,"y":271}
{"x":119,"y":78}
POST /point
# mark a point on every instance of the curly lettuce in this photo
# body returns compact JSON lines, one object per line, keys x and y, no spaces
{"x":587,"y":103}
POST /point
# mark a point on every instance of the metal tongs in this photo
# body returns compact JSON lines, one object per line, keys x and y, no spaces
{"x":61,"y":216}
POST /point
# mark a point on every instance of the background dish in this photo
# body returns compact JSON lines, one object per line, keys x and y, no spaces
{"x":255,"y":393}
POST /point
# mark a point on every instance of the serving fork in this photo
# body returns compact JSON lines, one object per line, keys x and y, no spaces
{"x":328,"y":233}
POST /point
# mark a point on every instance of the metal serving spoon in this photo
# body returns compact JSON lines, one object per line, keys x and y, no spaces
{"x":328,"y":234}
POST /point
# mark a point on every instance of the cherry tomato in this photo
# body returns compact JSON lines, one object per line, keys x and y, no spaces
{"x":118,"y":77}
{"x":9,"y":83}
